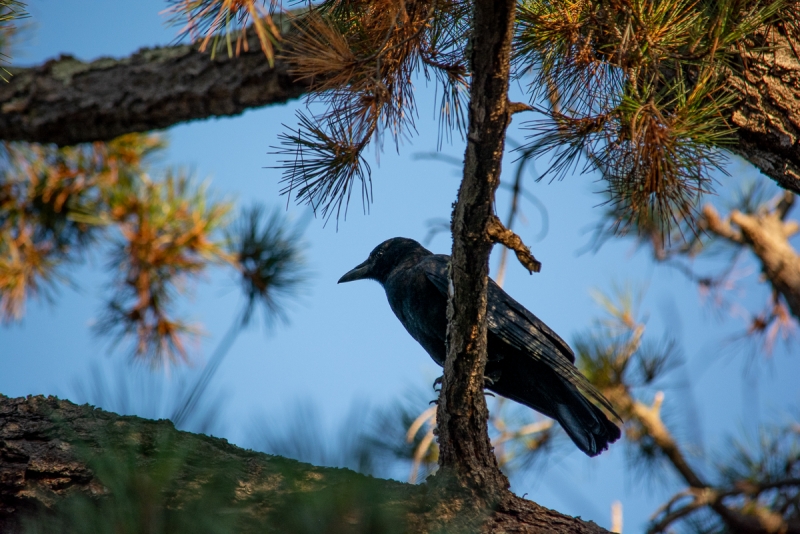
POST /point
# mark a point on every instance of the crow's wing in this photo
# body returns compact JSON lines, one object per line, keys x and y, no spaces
{"x":513,"y":324}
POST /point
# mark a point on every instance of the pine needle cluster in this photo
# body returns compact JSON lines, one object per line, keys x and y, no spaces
{"x":637,"y":87}
{"x":167,"y":234}
{"x":214,"y":22}
{"x":359,"y":58}
{"x":53,"y":203}
{"x":56,"y":204}
{"x":10,"y":12}
{"x":269,"y":258}
{"x":632,"y":88}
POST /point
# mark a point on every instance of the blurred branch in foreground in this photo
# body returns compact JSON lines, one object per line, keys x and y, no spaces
{"x":78,"y":469}
{"x":81,"y":470}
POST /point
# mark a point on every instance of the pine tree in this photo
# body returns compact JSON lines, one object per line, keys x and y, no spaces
{"x":648,"y":94}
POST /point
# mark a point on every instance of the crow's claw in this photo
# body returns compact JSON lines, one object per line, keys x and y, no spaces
{"x":491,"y":379}
{"x":437,"y":382}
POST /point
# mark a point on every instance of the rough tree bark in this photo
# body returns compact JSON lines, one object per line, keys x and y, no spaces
{"x":464,"y":447}
{"x":66,"y":101}
{"x":767,"y":115}
{"x":462,"y":416}
{"x":46,"y":444}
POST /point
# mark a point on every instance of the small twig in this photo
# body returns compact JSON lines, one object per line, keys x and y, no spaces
{"x":517,"y":107}
{"x":429,"y":416}
{"x":785,"y":205}
{"x":532,"y":428}
{"x":720,"y":227}
{"x":500,"y":234}
{"x":501,"y":269}
{"x":616,"y":517}
{"x":701,"y":498}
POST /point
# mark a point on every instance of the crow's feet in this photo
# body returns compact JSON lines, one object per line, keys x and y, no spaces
{"x":491,"y":379}
{"x":438,"y":382}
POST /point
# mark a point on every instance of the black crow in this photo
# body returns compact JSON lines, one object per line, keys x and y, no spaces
{"x":527,"y":362}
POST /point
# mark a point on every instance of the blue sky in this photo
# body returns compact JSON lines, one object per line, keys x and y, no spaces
{"x":343,"y":345}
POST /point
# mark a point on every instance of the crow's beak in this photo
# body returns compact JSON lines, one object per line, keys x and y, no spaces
{"x":359,"y":272}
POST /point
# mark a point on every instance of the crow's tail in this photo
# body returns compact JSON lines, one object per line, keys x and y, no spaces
{"x":539,"y":387}
{"x":585,"y":423}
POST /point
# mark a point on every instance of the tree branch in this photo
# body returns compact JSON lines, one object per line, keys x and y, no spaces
{"x":46,"y":443}
{"x":785,"y":205}
{"x":722,"y":228}
{"x":765,"y":522}
{"x":67,"y":101}
{"x":700,"y":498}
{"x":500,"y":234}
{"x":766,"y":235}
{"x":465,"y":449}
{"x":767,"y":114}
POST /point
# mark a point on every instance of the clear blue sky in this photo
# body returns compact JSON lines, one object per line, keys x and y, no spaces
{"x":343,"y":345}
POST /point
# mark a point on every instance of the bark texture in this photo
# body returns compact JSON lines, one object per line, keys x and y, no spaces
{"x":67,"y":101}
{"x":46,"y":443}
{"x":767,"y":85}
{"x":462,"y":416}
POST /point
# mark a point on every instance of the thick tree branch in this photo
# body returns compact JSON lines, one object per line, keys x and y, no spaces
{"x":67,"y":101}
{"x":767,"y":115}
{"x":45,"y":444}
{"x":766,"y":236}
{"x":716,"y":225}
{"x":465,"y":449}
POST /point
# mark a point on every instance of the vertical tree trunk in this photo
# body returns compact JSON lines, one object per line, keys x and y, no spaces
{"x":465,"y":449}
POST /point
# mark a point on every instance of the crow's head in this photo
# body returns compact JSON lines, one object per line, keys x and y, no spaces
{"x":384,"y":258}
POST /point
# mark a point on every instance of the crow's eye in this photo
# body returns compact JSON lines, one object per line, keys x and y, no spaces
{"x":379,"y":254}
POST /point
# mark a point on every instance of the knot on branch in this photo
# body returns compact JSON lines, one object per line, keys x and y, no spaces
{"x":500,"y":234}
